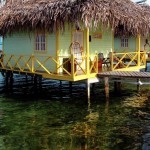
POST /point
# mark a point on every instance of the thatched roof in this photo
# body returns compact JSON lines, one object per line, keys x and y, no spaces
{"x":146,"y":10}
{"x":49,"y":14}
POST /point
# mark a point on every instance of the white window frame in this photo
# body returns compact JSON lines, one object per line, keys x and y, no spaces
{"x":124,"y":42}
{"x":40,"y":42}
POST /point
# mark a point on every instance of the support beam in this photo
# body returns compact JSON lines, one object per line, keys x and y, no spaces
{"x":112,"y":51}
{"x":139,"y":49}
{"x":138,"y":85}
{"x":57,"y":48}
{"x":35,"y":85}
{"x":87,"y":51}
{"x":32,"y":60}
{"x":11,"y":82}
{"x":70,"y":87}
{"x":40,"y":83}
{"x":117,"y":86}
{"x":7,"y":75}
{"x":88,"y":89}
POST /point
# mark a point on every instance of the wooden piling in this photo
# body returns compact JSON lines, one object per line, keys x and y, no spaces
{"x":11,"y":81}
{"x":6,"y":79}
{"x":35,"y":85}
{"x":40,"y":83}
{"x":88,"y":89}
{"x":70,"y":87}
{"x":117,"y":86}
{"x":93,"y":87}
{"x":138,"y":85}
{"x":106,"y":80}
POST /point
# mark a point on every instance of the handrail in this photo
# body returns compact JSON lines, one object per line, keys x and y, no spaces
{"x":41,"y":64}
{"x":127,"y":60}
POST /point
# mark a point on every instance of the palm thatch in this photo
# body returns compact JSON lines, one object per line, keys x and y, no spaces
{"x":52,"y":14}
{"x":146,"y":11}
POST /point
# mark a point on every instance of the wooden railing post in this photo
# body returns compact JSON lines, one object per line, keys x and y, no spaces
{"x":111,"y":61}
{"x":144,"y":57}
{"x":87,"y":52}
{"x":139,"y":48}
{"x":72,"y":65}
{"x":96,"y":63}
{"x":2,"y":60}
{"x":57,"y":64}
{"x":32,"y":67}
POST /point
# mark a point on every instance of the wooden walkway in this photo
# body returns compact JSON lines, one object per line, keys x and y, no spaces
{"x":124,"y":74}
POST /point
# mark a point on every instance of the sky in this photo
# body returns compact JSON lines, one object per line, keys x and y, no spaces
{"x":148,"y":1}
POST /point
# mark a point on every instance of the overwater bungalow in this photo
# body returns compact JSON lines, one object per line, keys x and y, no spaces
{"x":70,"y":40}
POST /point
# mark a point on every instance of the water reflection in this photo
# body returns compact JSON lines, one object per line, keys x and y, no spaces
{"x":51,"y":118}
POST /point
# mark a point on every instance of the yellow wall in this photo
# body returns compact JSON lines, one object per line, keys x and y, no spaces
{"x":101,"y":45}
{"x":23,"y":43}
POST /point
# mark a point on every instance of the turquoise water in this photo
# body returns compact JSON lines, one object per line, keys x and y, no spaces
{"x":50,"y":118}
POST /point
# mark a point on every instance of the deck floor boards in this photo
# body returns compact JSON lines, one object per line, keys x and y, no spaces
{"x":122,"y":74}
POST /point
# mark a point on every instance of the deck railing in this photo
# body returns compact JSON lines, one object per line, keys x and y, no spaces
{"x":70,"y":67}
{"x":127,"y":60}
{"x":52,"y":66}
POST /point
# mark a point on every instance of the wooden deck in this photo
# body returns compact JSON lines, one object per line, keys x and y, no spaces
{"x":124,"y":74}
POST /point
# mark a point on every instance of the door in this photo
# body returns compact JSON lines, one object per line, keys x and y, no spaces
{"x":77,"y":43}
{"x":77,"y":48}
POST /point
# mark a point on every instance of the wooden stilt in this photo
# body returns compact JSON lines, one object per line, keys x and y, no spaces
{"x":93,"y":87}
{"x":35,"y":80}
{"x":70,"y":87}
{"x":26,"y":78}
{"x":138,"y":85}
{"x":89,"y":105}
{"x":40,"y":83}
{"x":11,"y":81}
{"x":60,"y":88}
{"x":88,"y":89}
{"x":35,"y":85}
{"x":6,"y":79}
{"x":60,"y":83}
{"x":117,"y":87}
{"x":106,"y":80}
{"x":107,"y":107}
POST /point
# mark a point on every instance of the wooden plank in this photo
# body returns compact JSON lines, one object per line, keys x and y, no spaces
{"x":147,"y":74}
{"x":144,"y":74}
{"x":106,"y":82}
{"x":127,"y":74}
{"x":124,"y":74}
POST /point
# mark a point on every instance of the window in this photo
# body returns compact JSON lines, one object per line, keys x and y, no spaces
{"x":40,"y":42}
{"x":124,"y":42}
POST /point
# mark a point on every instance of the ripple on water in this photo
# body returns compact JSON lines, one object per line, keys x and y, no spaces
{"x":52,"y":118}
